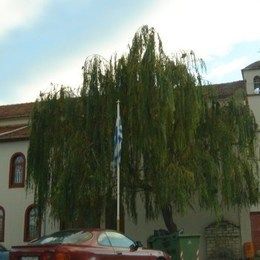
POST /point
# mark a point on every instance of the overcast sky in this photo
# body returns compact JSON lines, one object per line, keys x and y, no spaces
{"x":47,"y":41}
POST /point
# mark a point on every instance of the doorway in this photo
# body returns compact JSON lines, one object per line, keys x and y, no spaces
{"x":255,"y":229}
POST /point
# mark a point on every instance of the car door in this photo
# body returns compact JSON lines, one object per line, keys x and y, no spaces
{"x":121,"y":245}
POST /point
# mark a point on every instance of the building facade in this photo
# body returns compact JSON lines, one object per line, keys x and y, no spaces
{"x":18,"y":215}
{"x":18,"y":222}
{"x":251,"y":77}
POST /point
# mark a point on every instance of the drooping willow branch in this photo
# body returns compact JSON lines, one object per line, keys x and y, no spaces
{"x":180,"y":138}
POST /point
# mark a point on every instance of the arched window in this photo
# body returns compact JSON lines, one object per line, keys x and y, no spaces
{"x":17,"y":171}
{"x":256,"y":82}
{"x":2,"y":224}
{"x":32,"y":224}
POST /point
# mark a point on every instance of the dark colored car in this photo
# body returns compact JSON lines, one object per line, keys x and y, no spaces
{"x":92,"y":244}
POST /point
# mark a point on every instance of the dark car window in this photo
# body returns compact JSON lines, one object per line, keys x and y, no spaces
{"x":64,"y":237}
{"x":119,"y":240}
{"x":103,"y":240}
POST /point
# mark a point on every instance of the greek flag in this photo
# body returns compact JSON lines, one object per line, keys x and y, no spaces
{"x":118,"y":137}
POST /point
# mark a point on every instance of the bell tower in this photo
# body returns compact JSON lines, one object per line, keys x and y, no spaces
{"x":251,"y":76}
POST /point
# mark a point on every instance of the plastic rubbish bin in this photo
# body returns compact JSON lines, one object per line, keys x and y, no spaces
{"x":179,"y":247}
{"x":166,"y":243}
{"x":188,"y":247}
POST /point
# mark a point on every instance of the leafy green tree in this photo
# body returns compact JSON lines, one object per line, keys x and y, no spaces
{"x":181,"y":144}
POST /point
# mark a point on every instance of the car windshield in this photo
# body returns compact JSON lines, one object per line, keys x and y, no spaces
{"x":64,"y":237}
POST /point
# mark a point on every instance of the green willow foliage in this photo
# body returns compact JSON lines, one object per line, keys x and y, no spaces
{"x":180,"y":141}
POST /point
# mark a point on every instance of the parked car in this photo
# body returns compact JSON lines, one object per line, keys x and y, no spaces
{"x":2,"y":248}
{"x":84,"y":244}
{"x":4,"y":253}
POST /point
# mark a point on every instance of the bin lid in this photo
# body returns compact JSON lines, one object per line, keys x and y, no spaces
{"x":190,"y":235}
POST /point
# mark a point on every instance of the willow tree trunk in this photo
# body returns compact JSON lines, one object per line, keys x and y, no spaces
{"x":168,"y":219}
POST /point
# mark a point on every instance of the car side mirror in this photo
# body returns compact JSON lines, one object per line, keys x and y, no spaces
{"x":135,"y":246}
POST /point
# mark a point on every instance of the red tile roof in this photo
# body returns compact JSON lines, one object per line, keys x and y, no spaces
{"x":14,"y":132}
{"x":17,"y":110}
{"x":225,"y":90}
{"x":23,"y":110}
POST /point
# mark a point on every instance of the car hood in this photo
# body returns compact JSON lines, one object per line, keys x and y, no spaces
{"x":153,"y":252}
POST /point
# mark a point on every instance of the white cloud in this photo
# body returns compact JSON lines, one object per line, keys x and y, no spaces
{"x":68,"y":71}
{"x":68,"y":74}
{"x":19,"y":13}
{"x":210,"y":28}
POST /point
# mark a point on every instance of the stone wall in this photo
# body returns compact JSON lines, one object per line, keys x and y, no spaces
{"x":223,"y":240}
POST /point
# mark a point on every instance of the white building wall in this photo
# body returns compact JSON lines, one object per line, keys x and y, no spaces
{"x":249,"y":75}
{"x":254,"y":104}
{"x":245,"y":226}
{"x":15,"y":200}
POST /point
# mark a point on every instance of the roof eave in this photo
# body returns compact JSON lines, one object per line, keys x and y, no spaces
{"x":14,"y":139}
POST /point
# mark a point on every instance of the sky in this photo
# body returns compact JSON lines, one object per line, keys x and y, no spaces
{"x":45,"y":42}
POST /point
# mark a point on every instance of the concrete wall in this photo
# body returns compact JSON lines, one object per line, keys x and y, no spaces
{"x":245,"y":225}
{"x":193,"y":222}
{"x":254,"y":103}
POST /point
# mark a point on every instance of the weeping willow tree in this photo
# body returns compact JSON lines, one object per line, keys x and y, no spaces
{"x":180,"y":141}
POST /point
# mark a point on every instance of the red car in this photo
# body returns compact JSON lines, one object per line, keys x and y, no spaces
{"x":92,"y":244}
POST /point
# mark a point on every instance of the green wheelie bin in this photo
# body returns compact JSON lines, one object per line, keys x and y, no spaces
{"x":188,"y":247}
{"x":179,"y":247}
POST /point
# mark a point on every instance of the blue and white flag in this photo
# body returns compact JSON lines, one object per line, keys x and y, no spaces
{"x":118,"y":137}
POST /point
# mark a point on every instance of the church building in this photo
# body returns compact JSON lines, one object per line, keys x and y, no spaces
{"x":18,"y":223}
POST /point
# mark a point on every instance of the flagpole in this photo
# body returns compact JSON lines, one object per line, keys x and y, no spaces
{"x":118,"y":178}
